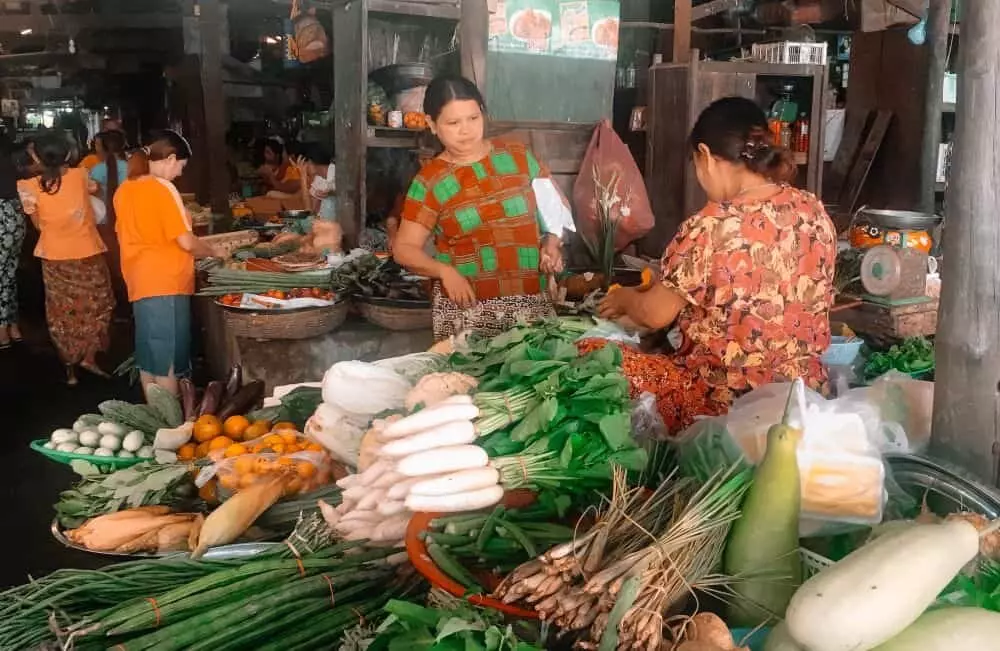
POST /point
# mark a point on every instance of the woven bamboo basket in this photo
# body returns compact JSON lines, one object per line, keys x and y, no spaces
{"x":301,"y":323}
{"x":229,"y":242}
{"x":393,"y":314}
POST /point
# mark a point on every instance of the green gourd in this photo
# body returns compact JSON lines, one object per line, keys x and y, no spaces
{"x":762,"y":549}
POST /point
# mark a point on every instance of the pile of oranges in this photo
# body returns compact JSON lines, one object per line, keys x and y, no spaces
{"x":231,"y":438}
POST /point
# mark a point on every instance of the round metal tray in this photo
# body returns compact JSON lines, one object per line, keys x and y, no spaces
{"x":220,"y":553}
{"x":946,"y":488}
{"x":900,"y":219}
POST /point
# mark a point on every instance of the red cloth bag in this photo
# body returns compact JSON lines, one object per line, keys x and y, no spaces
{"x":609,"y":162}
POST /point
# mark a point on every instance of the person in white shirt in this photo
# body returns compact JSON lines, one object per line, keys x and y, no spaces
{"x":319,"y":184}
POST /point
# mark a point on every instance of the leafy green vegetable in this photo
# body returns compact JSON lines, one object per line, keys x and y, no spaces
{"x":454,"y":626}
{"x":981,"y":589}
{"x":914,"y":356}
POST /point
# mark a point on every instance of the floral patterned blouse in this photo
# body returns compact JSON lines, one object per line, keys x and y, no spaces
{"x":758,"y":277}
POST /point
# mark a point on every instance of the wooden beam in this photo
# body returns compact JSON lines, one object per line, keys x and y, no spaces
{"x":350,"y":87}
{"x":966,"y":422}
{"x":713,"y":7}
{"x":473,"y":35}
{"x":938,"y":22}
{"x":73,"y":23}
{"x":682,"y":31}
{"x":914,"y":7}
{"x":214,"y":105}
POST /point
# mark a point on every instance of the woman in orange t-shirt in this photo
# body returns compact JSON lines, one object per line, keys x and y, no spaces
{"x":78,"y":297}
{"x":157,"y":256}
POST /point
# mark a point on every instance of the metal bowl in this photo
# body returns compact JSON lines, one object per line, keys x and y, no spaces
{"x":947,"y":489}
{"x":900,"y":219}
{"x":295,"y":214}
{"x":398,"y":77}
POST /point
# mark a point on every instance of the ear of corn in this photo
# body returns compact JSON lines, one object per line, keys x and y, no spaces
{"x":226,"y":523}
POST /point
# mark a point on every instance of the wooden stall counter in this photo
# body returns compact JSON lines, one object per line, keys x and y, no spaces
{"x":289,"y":361}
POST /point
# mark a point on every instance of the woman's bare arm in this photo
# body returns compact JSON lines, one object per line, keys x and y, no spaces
{"x":195,"y":246}
{"x":654,"y":308}
{"x":409,"y":250}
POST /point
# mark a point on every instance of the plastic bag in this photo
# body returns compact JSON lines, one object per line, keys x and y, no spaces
{"x":553,"y":207}
{"x":337,"y":431}
{"x":364,"y":389}
{"x":611,"y":331}
{"x":304,"y":471}
{"x":608,"y":163}
{"x":647,"y":423}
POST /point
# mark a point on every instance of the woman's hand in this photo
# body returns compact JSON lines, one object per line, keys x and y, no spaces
{"x":458,"y":288}
{"x":617,"y":303}
{"x":551,"y":259}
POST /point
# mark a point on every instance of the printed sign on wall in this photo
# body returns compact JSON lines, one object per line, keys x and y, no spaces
{"x":575,"y":29}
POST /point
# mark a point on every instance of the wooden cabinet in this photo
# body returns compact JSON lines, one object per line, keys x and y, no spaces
{"x":678,"y":92}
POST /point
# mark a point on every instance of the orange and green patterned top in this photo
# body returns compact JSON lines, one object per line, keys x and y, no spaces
{"x":484,"y":218}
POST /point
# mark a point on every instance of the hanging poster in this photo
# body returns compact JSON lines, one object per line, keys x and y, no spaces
{"x":576,"y":29}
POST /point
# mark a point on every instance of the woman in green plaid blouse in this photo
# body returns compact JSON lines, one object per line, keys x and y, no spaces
{"x":476,"y":199}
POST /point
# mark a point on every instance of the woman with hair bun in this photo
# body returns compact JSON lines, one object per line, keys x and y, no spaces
{"x":158,"y":251}
{"x":747,"y":280}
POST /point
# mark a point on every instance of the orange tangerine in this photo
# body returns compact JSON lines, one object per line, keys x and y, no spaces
{"x":229,"y":481}
{"x":209,"y":492}
{"x":248,"y":479}
{"x":314,"y":447}
{"x":257,"y":430}
{"x":244,"y":464}
{"x":235,"y":450}
{"x":278,"y":448}
{"x":264,"y":466}
{"x":206,"y":428}
{"x":289,"y":436}
{"x":186,"y":452}
{"x":284,"y":425}
{"x":235,"y":426}
{"x":273,"y":439}
{"x":220,"y":443}
{"x":201,"y":450}
{"x":306,"y":470}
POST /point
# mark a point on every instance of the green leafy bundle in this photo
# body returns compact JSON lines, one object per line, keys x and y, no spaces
{"x":914,"y":356}
{"x":455,"y":626}
{"x":978,"y":589}
{"x":143,"y":484}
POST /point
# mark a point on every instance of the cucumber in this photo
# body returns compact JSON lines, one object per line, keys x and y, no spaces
{"x":166,"y":405}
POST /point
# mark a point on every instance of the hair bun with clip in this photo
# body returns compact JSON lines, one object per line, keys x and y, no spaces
{"x":754,"y":148}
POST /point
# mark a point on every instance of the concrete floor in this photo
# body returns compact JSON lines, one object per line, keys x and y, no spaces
{"x":34,"y":400}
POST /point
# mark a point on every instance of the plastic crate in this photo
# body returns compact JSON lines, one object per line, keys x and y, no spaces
{"x":789,"y":52}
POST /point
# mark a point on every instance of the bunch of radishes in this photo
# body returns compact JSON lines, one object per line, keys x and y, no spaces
{"x":424,"y":462}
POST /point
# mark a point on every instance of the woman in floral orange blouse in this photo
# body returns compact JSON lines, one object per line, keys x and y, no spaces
{"x":747,"y":280}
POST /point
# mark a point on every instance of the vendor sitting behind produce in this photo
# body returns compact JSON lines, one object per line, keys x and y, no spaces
{"x":476,"y":197}
{"x":748,"y":279}
{"x":157,"y":257}
{"x":280,"y":176}
{"x":318,"y":186}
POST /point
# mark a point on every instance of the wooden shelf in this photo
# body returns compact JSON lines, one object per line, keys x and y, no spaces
{"x":422,"y":8}
{"x":392,"y":138}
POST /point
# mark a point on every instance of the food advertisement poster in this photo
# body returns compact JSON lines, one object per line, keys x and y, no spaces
{"x":576,"y":29}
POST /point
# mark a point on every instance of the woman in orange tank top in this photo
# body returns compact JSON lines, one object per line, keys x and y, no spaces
{"x":78,"y":297}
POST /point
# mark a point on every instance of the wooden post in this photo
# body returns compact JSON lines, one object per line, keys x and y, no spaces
{"x":966,"y":427}
{"x":350,"y":88}
{"x":474,"y":29}
{"x":214,"y":104}
{"x":938,"y":22}
{"x":682,"y":31}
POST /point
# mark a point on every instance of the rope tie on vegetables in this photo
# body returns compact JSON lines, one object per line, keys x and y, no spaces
{"x":524,"y":467}
{"x":156,"y":611}
{"x":333,"y":596}
{"x":298,"y":558}
{"x":361,"y":618}
{"x":510,"y":410}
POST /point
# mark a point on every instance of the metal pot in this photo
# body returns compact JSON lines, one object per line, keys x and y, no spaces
{"x":398,"y":77}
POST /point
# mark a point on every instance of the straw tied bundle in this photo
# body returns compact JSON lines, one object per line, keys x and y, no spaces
{"x":647,"y":553}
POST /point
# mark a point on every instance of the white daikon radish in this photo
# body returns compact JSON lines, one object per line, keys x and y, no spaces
{"x":438,"y":460}
{"x":354,"y":493}
{"x":392,"y":529}
{"x":428,"y":419}
{"x":457,"y":482}
{"x":401,"y":489}
{"x":360,"y":534}
{"x":348,"y":481}
{"x":877,"y":591}
{"x":330,"y":514}
{"x":390,"y":507}
{"x":457,"y":399}
{"x":371,"y":499}
{"x":469,"y":501}
{"x":63,"y":435}
{"x":457,"y":432}
{"x":373,"y":472}
{"x":90,"y":438}
{"x":949,"y":629}
{"x":347,"y":526}
{"x":367,"y":516}
{"x":388,"y":479}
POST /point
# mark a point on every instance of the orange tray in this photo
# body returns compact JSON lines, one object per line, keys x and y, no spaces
{"x":416,"y":549}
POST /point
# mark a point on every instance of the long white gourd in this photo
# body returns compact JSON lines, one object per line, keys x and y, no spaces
{"x":779,"y":639}
{"x":877,"y":591}
{"x":949,"y":629}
